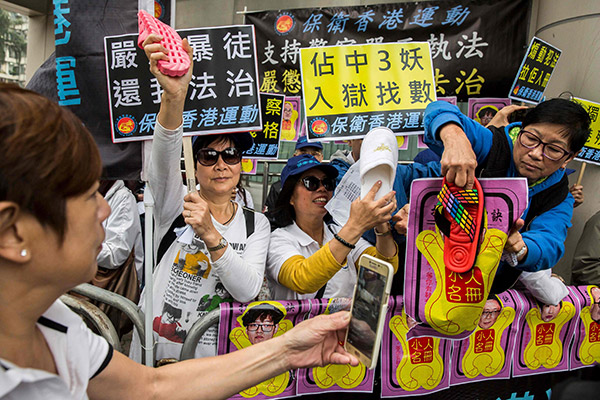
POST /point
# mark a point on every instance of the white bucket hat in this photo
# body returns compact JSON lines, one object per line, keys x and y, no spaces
{"x":378,"y":161}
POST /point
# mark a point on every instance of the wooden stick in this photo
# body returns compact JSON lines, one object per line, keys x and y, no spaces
{"x":188,"y":158}
{"x":581,"y":171}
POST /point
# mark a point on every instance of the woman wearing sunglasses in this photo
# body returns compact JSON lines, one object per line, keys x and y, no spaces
{"x":221,"y":242}
{"x":310,"y":258}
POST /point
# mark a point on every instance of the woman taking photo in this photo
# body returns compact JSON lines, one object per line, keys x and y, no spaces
{"x":221,"y":244}
{"x":310,"y":258}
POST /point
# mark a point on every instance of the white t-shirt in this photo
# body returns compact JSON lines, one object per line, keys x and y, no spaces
{"x":78,"y":353}
{"x":186,"y":278}
{"x":289,"y":241}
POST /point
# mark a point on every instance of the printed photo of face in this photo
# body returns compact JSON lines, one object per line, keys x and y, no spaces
{"x":261,"y":329}
{"x":549,"y":312}
{"x":288,"y":111}
{"x":490,"y":313}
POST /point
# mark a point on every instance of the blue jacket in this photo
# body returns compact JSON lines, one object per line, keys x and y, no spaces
{"x":545,"y":235}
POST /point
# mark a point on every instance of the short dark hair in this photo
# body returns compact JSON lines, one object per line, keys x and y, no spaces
{"x":569,"y":114}
{"x":46,"y":156}
{"x":284,"y":212}
{"x":485,"y":110}
{"x":262,"y":311}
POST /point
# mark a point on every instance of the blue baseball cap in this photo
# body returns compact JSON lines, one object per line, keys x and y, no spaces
{"x":298,"y":164}
{"x":303,"y":142}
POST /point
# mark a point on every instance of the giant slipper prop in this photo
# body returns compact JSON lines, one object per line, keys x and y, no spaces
{"x":459,"y":216}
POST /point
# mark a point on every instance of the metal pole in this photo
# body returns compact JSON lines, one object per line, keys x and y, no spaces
{"x":265,"y":184}
{"x":148,"y":341}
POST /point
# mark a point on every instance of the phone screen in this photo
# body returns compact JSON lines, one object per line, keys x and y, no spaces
{"x":365,"y":311}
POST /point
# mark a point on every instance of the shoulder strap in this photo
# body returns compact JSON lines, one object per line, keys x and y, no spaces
{"x":179,"y":222}
{"x":169,"y":237}
{"x":249,"y":217}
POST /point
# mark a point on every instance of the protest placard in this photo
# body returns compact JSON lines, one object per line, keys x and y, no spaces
{"x":223,"y":93}
{"x":535,"y":72}
{"x":349,"y":90}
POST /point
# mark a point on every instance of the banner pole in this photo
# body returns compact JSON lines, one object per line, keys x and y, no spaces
{"x":581,"y":171}
{"x":188,"y":159}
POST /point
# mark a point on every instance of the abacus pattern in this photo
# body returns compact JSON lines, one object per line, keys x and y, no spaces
{"x":179,"y":61}
{"x":452,"y":204}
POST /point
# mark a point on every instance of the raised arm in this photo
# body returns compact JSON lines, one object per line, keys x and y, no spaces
{"x":164,"y":173}
{"x":461,"y":142}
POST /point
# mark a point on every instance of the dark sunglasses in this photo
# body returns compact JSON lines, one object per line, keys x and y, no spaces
{"x":208,"y":156}
{"x":312,"y":183}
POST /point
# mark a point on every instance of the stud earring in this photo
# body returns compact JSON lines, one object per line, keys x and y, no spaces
{"x":24,"y":253}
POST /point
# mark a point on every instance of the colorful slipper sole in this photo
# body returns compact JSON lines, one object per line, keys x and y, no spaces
{"x":459,"y":216}
{"x":178,"y":63}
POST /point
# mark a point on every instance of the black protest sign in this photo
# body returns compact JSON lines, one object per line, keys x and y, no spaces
{"x":223,"y":94}
{"x":476,"y":46}
{"x":75,"y":76}
{"x":535,"y":72}
{"x":266,"y":141}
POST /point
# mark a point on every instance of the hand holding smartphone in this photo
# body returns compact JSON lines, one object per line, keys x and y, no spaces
{"x":369,"y":306}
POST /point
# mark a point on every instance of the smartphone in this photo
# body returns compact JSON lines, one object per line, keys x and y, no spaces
{"x":369,"y":306}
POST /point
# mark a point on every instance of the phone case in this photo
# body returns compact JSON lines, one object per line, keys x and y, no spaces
{"x":381,"y":268}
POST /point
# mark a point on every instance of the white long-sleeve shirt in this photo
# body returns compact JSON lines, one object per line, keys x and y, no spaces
{"x":186,"y":278}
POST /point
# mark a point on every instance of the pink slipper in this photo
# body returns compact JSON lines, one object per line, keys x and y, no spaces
{"x":459,"y":216}
{"x":178,"y":63}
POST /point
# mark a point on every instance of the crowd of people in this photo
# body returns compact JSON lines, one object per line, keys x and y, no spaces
{"x":211,"y":248}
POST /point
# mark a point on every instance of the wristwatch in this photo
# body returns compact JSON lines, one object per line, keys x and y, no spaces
{"x":522,"y":251}
{"x":222,"y":244}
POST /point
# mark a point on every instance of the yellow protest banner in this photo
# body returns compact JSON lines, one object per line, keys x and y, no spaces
{"x":591,"y":150}
{"x":348,"y":90}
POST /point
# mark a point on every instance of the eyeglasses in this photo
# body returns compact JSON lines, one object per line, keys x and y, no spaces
{"x":488,"y":314}
{"x":264,"y":327}
{"x":550,"y":151}
{"x":208,"y":156}
{"x":314,"y":153}
{"x":312,"y":183}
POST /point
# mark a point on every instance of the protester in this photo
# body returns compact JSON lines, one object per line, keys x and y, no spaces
{"x":504,"y":116}
{"x":122,"y":227}
{"x":342,"y":160}
{"x":50,"y":236}
{"x":222,"y":242}
{"x":539,"y":149}
{"x":303,"y":146}
{"x":586,"y":260}
{"x":404,"y":176}
{"x":313,"y":258}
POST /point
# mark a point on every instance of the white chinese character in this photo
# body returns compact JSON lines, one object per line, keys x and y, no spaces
{"x":122,"y":54}
{"x":238,"y":45}
{"x":127,"y":93}
{"x":202,"y":85}
{"x":201,"y":47}
{"x":242,"y":84}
